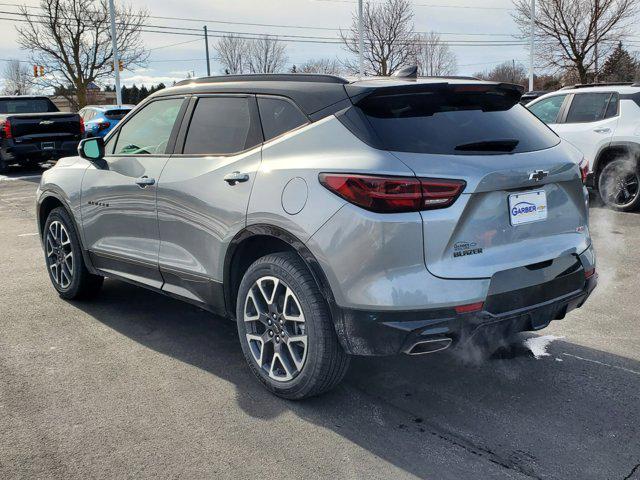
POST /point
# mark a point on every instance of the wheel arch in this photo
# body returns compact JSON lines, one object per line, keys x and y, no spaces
{"x":612,"y":151}
{"x":256,"y":241}
{"x":48,"y":202}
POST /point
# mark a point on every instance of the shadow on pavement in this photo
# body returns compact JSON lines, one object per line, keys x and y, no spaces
{"x":573,"y":414}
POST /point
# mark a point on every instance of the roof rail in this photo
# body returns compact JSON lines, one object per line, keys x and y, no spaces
{"x":267,"y":77}
{"x":602,"y":84}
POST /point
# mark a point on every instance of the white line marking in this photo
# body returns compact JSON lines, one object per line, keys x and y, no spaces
{"x":4,"y":178}
{"x":28,"y":234}
{"x":602,"y":363}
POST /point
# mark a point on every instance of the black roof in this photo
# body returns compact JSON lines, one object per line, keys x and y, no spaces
{"x":313,"y":93}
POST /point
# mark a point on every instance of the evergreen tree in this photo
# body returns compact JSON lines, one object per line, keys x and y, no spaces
{"x":619,"y":67}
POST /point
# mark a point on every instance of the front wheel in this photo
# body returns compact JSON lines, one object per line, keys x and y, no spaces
{"x":619,"y":185}
{"x":63,"y":256}
{"x":285,"y":329}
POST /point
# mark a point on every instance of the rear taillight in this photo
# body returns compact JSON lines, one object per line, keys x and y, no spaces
{"x":81,"y":126}
{"x":393,"y":194}
{"x":589,"y":273}
{"x":471,"y":307}
{"x":103,"y":126}
{"x":584,"y":169}
{"x":6,"y":129}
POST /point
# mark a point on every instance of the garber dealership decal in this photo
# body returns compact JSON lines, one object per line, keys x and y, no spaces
{"x":462,"y":249}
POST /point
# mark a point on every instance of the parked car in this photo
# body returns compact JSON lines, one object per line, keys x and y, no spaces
{"x":603,"y":122}
{"x":33,"y":130}
{"x":99,"y":120}
{"x":531,"y":95}
{"x":329,"y":218}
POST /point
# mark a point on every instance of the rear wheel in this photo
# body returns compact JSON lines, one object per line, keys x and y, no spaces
{"x":619,"y":185}
{"x":4,"y":166}
{"x":63,"y":255}
{"x":285,"y":329}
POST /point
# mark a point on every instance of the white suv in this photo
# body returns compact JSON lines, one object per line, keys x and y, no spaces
{"x":602,"y":121}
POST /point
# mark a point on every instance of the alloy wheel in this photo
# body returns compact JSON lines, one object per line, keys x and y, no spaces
{"x":275,"y":328}
{"x":622,"y":188}
{"x":59,"y":253}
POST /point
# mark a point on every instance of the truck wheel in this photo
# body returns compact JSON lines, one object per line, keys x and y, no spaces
{"x":285,"y":329}
{"x":4,"y":166}
{"x":63,"y":256}
{"x":619,"y":185}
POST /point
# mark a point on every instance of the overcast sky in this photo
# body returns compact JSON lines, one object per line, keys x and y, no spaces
{"x":456,"y":19}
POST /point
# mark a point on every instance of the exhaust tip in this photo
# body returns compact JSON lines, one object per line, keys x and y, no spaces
{"x":433,"y":345}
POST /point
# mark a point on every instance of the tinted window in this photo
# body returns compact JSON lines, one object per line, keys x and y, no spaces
{"x":588,"y":107}
{"x":220,"y":126}
{"x":548,"y":109}
{"x":612,"y":109}
{"x":279,"y":116}
{"x":456,"y":123}
{"x":27,"y":105}
{"x":116,"y":114}
{"x":148,"y":131}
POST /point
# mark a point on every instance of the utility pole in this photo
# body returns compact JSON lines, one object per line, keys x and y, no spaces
{"x":206,"y":48}
{"x":360,"y":40}
{"x":114,"y":43}
{"x":595,"y":47}
{"x":532,"y":33}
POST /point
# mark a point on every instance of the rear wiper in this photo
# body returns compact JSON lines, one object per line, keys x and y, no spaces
{"x":489,"y":146}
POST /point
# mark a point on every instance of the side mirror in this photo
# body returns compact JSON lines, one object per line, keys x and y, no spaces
{"x":91,"y":149}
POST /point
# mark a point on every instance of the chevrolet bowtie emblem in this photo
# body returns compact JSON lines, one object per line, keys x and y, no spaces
{"x":538,"y":175}
{"x":46,"y":122}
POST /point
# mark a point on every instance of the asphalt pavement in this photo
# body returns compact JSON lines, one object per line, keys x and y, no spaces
{"x":137,"y":385}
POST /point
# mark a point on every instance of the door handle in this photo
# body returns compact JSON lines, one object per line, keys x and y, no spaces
{"x":145,"y":181}
{"x":236,"y":177}
{"x":602,"y":130}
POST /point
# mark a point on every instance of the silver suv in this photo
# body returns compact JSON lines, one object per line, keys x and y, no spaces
{"x":329,"y":218}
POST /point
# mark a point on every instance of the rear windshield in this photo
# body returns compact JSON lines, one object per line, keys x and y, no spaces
{"x":27,"y":105}
{"x":459,"y":123}
{"x":116,"y":114}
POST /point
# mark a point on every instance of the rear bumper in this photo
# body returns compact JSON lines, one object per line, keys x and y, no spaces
{"x":17,"y":153}
{"x":392,"y":332}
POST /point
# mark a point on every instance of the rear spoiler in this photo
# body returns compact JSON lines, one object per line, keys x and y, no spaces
{"x":357,"y":93}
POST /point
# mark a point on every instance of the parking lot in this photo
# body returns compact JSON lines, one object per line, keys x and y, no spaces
{"x":137,"y":385}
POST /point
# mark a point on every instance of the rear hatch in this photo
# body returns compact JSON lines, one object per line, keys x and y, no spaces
{"x":523,"y":202}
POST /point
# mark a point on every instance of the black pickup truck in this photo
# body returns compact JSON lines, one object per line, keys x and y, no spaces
{"x":33,"y":130}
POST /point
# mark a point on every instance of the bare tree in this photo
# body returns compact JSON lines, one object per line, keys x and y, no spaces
{"x":72,"y":39}
{"x":16,"y":78}
{"x":508,"y":72}
{"x":569,"y":31}
{"x":265,"y":55}
{"x":435,"y":57}
{"x":389,"y":38}
{"x":329,"y":66}
{"x":230,"y":52}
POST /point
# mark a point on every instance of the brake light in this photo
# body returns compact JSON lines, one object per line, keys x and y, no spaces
{"x":103,"y":126}
{"x":393,"y":194}
{"x":589,"y":273}
{"x":81,"y":126}
{"x":584,"y":169}
{"x":6,"y":129}
{"x":472,"y":307}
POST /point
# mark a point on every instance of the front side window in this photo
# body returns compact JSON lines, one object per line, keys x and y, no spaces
{"x":548,"y":109}
{"x":588,"y":107}
{"x":148,"y":132}
{"x":279,"y":116}
{"x":221,"y":126}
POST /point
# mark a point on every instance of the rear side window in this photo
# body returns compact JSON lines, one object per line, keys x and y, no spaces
{"x":27,"y":105}
{"x":221,"y":126}
{"x":116,"y":114}
{"x":589,"y":107}
{"x":454,"y":122}
{"x":279,"y":116}
{"x":548,"y":109}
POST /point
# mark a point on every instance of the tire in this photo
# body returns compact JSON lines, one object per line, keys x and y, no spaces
{"x":4,"y":166}
{"x":308,"y":359}
{"x":619,"y":185}
{"x":63,"y":256}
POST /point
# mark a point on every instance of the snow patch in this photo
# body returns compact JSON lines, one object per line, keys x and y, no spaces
{"x":539,"y":345}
